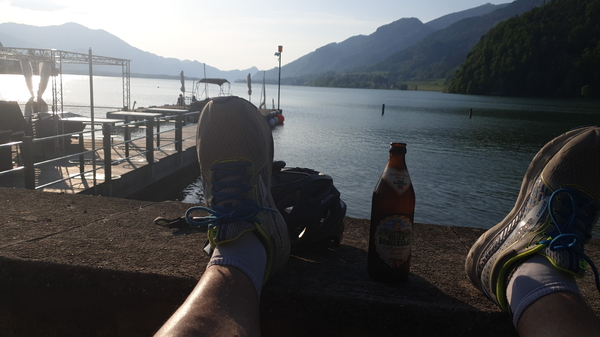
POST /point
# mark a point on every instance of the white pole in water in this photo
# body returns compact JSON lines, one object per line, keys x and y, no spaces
{"x":92,"y":118}
{"x":278,"y":54}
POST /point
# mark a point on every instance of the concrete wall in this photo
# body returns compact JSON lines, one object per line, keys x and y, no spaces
{"x":77,"y":265}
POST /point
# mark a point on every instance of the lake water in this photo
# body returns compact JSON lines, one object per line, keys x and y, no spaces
{"x":465,"y":171}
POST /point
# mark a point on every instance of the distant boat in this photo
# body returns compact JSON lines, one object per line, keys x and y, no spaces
{"x":273,"y":116}
{"x":201,"y":88}
{"x":202,"y":96}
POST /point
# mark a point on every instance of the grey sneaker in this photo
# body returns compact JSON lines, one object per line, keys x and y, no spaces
{"x":554,"y":215}
{"x":235,"y":152}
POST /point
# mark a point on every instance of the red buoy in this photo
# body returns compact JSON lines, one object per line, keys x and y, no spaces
{"x":280,"y":118}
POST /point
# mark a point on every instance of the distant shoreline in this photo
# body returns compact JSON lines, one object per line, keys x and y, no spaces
{"x":432,"y":85}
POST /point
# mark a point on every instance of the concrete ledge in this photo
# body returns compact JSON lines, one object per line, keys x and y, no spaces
{"x":75,"y":265}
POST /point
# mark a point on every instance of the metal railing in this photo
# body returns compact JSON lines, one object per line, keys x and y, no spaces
{"x":27,"y":148}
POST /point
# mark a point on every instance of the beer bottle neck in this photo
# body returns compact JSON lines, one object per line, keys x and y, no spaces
{"x":397,"y":161}
{"x":397,"y":153}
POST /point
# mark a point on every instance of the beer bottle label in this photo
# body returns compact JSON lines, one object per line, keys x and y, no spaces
{"x":398,"y":179}
{"x":393,"y":238}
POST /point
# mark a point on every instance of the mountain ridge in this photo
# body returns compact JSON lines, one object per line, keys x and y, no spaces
{"x":367,"y":49}
{"x":80,"y":38}
{"x":356,"y":52}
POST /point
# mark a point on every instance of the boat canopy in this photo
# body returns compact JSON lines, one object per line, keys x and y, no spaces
{"x":202,"y":93}
{"x":217,"y":81}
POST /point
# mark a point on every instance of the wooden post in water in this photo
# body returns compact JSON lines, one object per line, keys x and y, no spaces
{"x":470,"y":113}
{"x":382,"y":109}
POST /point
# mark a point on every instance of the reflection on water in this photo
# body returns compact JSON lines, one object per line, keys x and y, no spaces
{"x":193,"y":193}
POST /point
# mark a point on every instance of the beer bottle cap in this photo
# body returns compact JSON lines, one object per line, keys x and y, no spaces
{"x":398,"y":148}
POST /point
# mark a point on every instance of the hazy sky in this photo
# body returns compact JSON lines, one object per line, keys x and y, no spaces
{"x":230,"y":34}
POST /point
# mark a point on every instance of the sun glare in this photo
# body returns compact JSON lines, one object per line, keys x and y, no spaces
{"x":13,"y":88}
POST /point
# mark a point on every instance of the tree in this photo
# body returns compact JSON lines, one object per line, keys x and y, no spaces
{"x":553,"y":50}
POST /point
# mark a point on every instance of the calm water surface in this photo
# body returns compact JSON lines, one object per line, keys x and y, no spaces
{"x":465,"y":171}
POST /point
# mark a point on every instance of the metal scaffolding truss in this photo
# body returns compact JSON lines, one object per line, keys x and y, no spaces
{"x":60,"y":57}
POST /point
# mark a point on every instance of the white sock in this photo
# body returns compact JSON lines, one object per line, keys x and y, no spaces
{"x":247,"y":254}
{"x":533,"y":279}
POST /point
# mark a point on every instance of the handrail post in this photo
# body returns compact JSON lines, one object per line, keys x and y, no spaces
{"x":150,"y":140}
{"x":158,"y":132}
{"x":28,"y":163}
{"x":81,"y":156}
{"x":106,"y":144}
{"x":126,"y":136}
{"x":178,"y":132}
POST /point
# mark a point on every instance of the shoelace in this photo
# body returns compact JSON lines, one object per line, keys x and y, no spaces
{"x":246,"y":210}
{"x":568,"y":239}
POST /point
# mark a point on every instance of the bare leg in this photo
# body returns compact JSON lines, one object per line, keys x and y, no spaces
{"x":248,"y":234}
{"x":224,"y":303}
{"x":559,"y":314}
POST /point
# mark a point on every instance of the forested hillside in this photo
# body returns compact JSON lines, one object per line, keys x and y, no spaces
{"x":437,"y":56}
{"x":550,"y":51}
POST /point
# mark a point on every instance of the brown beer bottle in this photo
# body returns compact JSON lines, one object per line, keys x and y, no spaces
{"x":392,"y":215}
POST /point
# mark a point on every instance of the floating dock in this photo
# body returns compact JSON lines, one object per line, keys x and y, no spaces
{"x":121,"y":161}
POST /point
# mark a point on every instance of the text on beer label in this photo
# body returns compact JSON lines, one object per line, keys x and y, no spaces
{"x":398,"y":179}
{"x":393,"y":240}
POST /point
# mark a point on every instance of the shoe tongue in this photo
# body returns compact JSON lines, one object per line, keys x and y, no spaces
{"x":234,"y":176}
